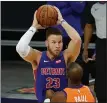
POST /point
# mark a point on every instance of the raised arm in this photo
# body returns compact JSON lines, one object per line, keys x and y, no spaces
{"x":23,"y":49}
{"x":74,"y":46}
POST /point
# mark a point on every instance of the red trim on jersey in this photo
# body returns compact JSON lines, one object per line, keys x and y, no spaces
{"x":35,"y":74}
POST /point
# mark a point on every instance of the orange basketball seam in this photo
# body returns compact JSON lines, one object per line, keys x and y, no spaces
{"x":47,"y":15}
{"x":40,"y":12}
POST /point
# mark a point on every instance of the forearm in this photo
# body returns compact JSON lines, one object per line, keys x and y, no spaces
{"x":72,"y":33}
{"x":87,"y":35}
{"x":23,"y":47}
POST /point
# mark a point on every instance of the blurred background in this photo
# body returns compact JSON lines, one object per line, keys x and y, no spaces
{"x":16,"y":18}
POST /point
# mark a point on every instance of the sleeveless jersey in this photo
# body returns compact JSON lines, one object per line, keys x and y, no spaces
{"x":50,"y":75}
{"x":80,"y":94}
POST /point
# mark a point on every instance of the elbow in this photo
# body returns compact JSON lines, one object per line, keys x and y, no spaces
{"x":22,"y":50}
{"x":18,"y":48}
{"x":78,"y":41}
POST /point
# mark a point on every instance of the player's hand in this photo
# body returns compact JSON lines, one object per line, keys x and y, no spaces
{"x":94,"y":56}
{"x":60,"y":18}
{"x":35,"y":22}
{"x":85,"y":56}
{"x":49,"y":93}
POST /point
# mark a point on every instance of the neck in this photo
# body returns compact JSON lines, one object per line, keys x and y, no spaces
{"x":75,"y":84}
{"x":50,"y":56}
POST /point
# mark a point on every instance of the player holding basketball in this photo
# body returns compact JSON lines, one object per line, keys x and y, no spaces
{"x":49,"y":66}
{"x":76,"y":92}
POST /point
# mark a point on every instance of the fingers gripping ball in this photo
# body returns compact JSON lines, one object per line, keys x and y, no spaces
{"x":47,"y":15}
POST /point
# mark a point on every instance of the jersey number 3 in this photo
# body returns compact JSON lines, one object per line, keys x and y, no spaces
{"x":50,"y":81}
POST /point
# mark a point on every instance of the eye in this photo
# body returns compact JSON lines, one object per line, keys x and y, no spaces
{"x":60,"y":42}
{"x":53,"y":42}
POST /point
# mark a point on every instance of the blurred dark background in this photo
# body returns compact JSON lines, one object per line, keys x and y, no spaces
{"x":16,"y":18}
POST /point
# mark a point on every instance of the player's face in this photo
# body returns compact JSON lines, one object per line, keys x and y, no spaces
{"x":54,"y":44}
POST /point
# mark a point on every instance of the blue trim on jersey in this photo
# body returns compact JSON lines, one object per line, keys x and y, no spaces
{"x":64,"y":93}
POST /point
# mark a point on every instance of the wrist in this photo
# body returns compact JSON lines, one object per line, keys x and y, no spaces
{"x":62,"y":21}
{"x":33,"y":29}
{"x":34,"y":25}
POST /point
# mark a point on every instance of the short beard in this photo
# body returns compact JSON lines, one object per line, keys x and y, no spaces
{"x":48,"y":48}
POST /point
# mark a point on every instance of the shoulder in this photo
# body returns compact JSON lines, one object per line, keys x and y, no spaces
{"x":37,"y":51}
{"x":68,"y":56}
{"x":38,"y":55}
{"x":94,"y":7}
{"x":92,"y":92}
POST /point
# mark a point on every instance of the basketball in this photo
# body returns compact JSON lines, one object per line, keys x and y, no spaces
{"x":47,"y":15}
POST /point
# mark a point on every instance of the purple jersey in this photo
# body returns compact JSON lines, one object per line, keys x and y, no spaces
{"x":50,"y":75}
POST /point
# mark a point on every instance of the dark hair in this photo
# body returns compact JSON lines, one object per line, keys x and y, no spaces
{"x":78,"y":74}
{"x":73,"y":65}
{"x":52,"y":30}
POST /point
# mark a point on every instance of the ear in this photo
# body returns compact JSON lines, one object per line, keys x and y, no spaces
{"x":46,"y":43}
